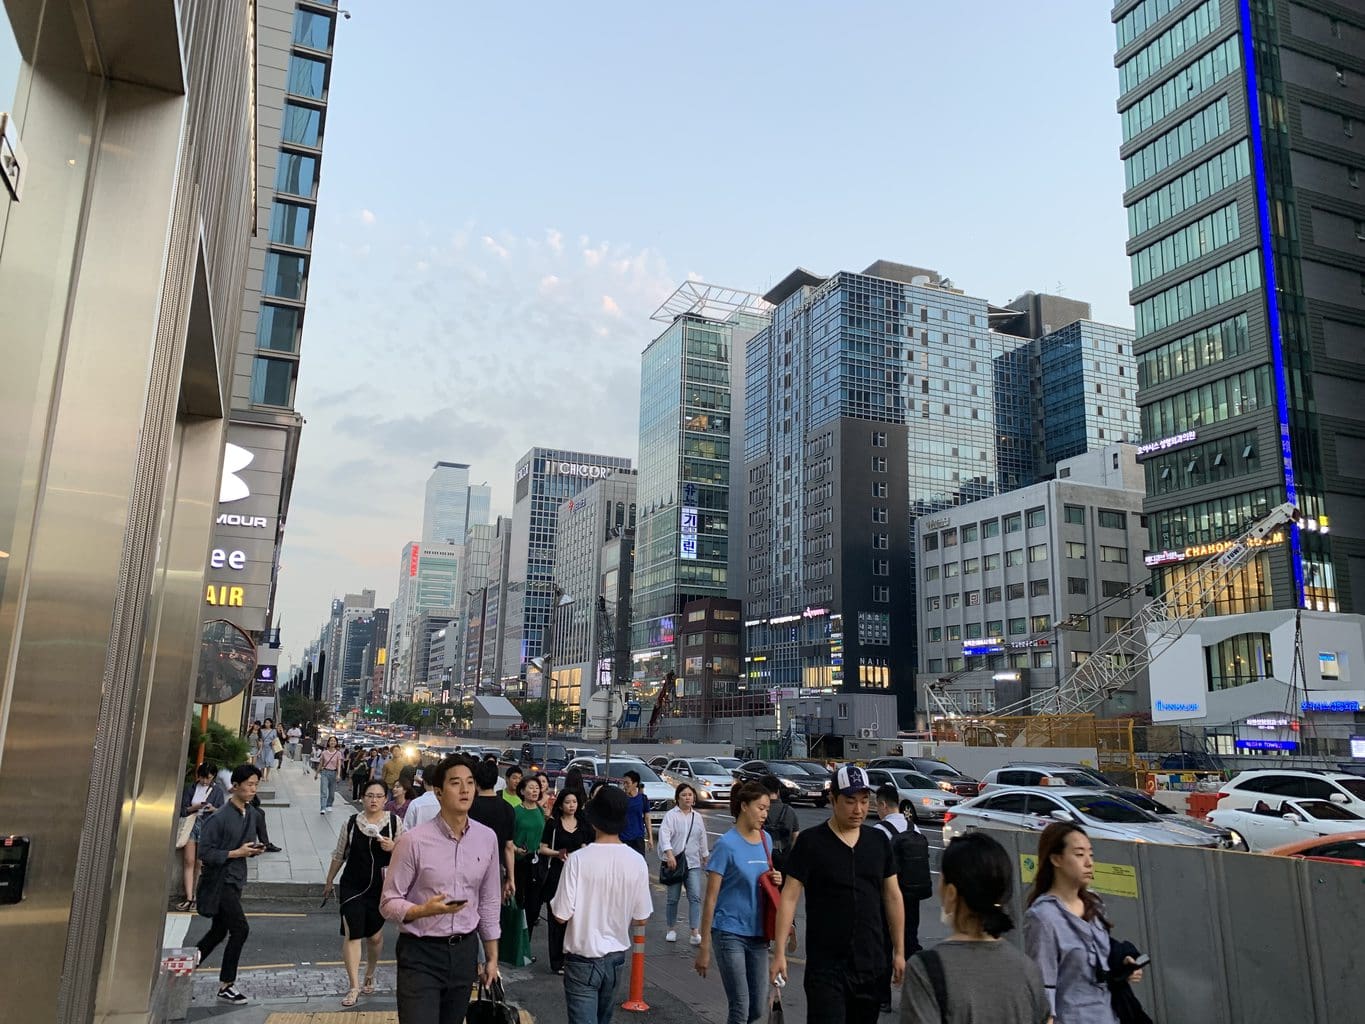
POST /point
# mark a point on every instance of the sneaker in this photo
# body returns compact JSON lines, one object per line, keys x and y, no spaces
{"x":672,"y":936}
{"x":231,"y":995}
{"x":696,"y":939}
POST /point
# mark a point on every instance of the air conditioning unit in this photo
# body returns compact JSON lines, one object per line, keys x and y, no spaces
{"x":867,"y":734}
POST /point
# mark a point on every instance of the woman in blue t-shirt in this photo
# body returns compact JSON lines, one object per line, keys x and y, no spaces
{"x":730,"y":914}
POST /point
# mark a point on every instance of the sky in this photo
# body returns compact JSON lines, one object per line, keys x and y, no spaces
{"x":509,"y":191}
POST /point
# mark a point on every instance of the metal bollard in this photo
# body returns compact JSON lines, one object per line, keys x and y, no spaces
{"x":636,"y":1002}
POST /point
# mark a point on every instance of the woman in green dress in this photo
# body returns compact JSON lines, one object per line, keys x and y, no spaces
{"x":530,"y":826}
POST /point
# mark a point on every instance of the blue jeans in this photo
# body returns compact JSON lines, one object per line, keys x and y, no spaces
{"x":743,"y":963}
{"x":329,"y":787}
{"x":590,"y":987}
{"x":693,"y":882}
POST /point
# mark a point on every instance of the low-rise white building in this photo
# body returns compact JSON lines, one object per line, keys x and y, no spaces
{"x":1017,"y":589}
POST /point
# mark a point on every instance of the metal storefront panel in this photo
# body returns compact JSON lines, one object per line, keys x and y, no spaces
{"x":1334,"y":918}
{"x":1266,"y":966}
{"x":1186,"y":978}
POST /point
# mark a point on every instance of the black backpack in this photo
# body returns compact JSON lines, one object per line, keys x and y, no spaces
{"x":911,"y":850}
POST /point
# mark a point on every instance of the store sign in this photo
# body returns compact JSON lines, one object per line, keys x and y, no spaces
{"x":687,"y":532}
{"x":1155,"y":558}
{"x":1267,"y":723}
{"x":1331,"y":706}
{"x":1358,"y":746}
{"x":414,"y":560}
{"x":1266,"y":744}
{"x":249,"y":522}
{"x":990,"y":645}
{"x":232,"y":487}
{"x":1166,"y":444}
{"x":222,"y":596}
{"x":578,"y":469}
{"x":220,"y":559}
{"x":933,"y":524}
{"x":1206,"y":550}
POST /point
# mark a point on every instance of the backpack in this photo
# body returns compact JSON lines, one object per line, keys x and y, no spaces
{"x":911,"y":850}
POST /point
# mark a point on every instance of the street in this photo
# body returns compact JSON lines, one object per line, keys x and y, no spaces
{"x":292,"y":959}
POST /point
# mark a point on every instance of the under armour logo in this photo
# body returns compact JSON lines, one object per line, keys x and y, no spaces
{"x":233,"y":487}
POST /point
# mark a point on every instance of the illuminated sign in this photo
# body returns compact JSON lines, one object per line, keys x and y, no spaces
{"x":232,"y":487}
{"x":1266,"y":744}
{"x":251,"y":522}
{"x":1267,"y":723}
{"x":224,"y":596}
{"x":814,"y":613}
{"x":220,"y":559}
{"x":1155,"y":558}
{"x":522,"y":472}
{"x":1358,"y":746}
{"x":1167,"y":443}
{"x":778,"y":620}
{"x":1190,"y":707}
{"x":990,"y":645}
{"x":578,"y":469}
{"x":412,"y":562}
{"x":688,"y":532}
{"x":1333,"y":706}
{"x":1205,"y":550}
{"x":687,"y":546}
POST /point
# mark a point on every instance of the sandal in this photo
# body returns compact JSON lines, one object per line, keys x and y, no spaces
{"x":352,"y":994}
{"x":369,"y":987}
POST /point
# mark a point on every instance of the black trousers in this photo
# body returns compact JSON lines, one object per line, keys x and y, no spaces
{"x":358,"y":783}
{"x":912,"y":945}
{"x":833,"y":997}
{"x":557,"y":931}
{"x":229,"y":923}
{"x":262,"y":833}
{"x":435,"y":978}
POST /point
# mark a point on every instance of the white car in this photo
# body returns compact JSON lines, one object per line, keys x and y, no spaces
{"x":1269,"y":824}
{"x":929,"y":802}
{"x":1104,"y":816}
{"x":707,"y":777}
{"x":1271,"y":785}
{"x":659,"y":792}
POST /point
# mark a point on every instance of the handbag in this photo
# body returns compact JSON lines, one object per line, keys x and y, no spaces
{"x":276,"y":745}
{"x":492,"y":1007}
{"x":514,"y":949}
{"x":769,"y":895}
{"x":186,"y":829}
{"x":775,"y":1013}
{"x":678,"y":873}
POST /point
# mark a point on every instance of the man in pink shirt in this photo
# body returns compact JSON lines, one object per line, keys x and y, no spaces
{"x":443,"y":886}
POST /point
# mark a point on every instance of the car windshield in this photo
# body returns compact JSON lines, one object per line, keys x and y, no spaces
{"x":709,"y":769}
{"x":1323,"y":810}
{"x":728,"y":762}
{"x":1356,"y":787}
{"x":936,"y":768}
{"x":815,"y":770}
{"x":619,"y":769}
{"x":550,"y":751}
{"x":914,"y":780}
{"x":1103,"y":807}
{"x":788,"y":770}
{"x":1145,"y":802}
{"x":1078,"y":779}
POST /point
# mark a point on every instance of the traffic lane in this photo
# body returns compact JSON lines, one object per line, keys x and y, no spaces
{"x":718,"y":822}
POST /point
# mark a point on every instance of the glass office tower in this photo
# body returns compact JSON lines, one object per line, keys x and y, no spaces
{"x":1242,"y":162}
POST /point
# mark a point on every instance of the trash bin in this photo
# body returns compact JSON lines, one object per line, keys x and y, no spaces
{"x":176,"y":982}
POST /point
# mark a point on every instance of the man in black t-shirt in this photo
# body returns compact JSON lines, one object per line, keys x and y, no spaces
{"x":853,"y":903}
{"x":492,"y":810}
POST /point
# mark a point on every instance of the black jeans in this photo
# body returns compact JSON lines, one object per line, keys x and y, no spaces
{"x":832,"y":997}
{"x":229,"y":923}
{"x":358,"y":783}
{"x":912,"y":945}
{"x":557,"y":931}
{"x":435,"y":978}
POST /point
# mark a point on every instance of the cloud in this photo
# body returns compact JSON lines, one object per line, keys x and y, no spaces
{"x":548,"y":282}
{"x":367,"y":216}
{"x":555,"y":239}
{"x":495,"y":247}
{"x":609,"y":306}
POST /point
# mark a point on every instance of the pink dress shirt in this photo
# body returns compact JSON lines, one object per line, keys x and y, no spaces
{"x":430,"y":859}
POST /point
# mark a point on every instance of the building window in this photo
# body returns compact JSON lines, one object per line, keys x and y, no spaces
{"x":881,"y":541}
{"x":995,"y":627}
{"x":949,"y":570}
{"x":1238,"y":660}
{"x":1037,"y":517}
{"x":1075,"y":549}
{"x":697,"y":615}
{"x":879,"y":440}
{"x":1112,"y":520}
{"x":971,"y":566}
{"x":291,"y":224}
{"x":307,"y":77}
{"x":1018,"y":627}
{"x":993,"y":595}
{"x":879,"y":516}
{"x":931,"y":604}
{"x":930,"y":573}
{"x":285,"y":274}
{"x":272,"y":381}
{"x":954,"y":632}
{"x":1113,"y":588}
{"x":1077,"y":585}
{"x":990,"y":528}
{"x":1074,"y":514}
{"x":1113,"y":623}
{"x":1038,"y":588}
{"x":952,"y":600}
{"x":950,"y":538}
{"x":313,"y":30}
{"x":973,"y":631}
{"x":1014,"y":523}
{"x":1015,"y":557}
{"x":302,"y":125}
{"x":878,"y":464}
{"x":881,"y":567}
{"x":1042,"y":659}
{"x":879,"y":489}
{"x":297,"y":175}
{"x":990,"y":562}
{"x":1109,"y":554}
{"x":278,"y":328}
{"x":882,"y":595}
{"x":969,"y":533}
{"x":935,"y":664}
{"x":930,"y":542}
{"x":1014,"y":592}
{"x":1037,"y":553}
{"x":935,"y":634}
{"x":1329,"y":666}
{"x":1040,"y":623}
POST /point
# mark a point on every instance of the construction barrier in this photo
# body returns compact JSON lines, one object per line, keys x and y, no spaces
{"x":636,"y":1003}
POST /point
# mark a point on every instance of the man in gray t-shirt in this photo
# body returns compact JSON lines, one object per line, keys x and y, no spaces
{"x":987,"y":980}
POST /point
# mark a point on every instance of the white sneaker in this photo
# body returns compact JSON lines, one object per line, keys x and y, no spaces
{"x":696,"y":939}
{"x":672,"y":936}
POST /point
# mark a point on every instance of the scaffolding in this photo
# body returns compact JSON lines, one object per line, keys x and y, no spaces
{"x":712,"y":302}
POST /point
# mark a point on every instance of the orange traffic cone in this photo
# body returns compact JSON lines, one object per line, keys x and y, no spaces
{"x":636,"y":1002}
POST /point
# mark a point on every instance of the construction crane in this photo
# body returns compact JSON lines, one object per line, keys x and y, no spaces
{"x":1143,"y":638}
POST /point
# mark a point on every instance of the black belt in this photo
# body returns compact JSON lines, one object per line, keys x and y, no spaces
{"x":444,"y":940}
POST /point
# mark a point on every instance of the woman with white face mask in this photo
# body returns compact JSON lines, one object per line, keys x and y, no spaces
{"x":971,"y":975}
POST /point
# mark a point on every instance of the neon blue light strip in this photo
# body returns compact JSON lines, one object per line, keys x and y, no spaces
{"x":1272,"y":296}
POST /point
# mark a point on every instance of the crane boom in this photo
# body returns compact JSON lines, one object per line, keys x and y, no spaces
{"x":1146,"y":636}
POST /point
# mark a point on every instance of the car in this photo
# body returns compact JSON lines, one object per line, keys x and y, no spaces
{"x":1230,"y":838}
{"x":543,"y":755}
{"x":945,"y":775}
{"x":796,"y":782}
{"x":1257,"y":785}
{"x":1033,"y":773}
{"x":928,"y":801}
{"x":657,"y":763}
{"x":728,"y":763}
{"x":581,"y":752}
{"x":1269,"y":824}
{"x":659,"y":792}
{"x":710,"y":780}
{"x":510,"y":756}
{"x":1104,"y":816}
{"x":1347,"y":848}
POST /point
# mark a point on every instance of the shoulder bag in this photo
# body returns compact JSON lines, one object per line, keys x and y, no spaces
{"x":938,"y":981}
{"x":677,"y":873}
{"x":769,"y":895}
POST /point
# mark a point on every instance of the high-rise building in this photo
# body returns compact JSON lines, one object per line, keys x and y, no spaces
{"x":379,"y":663}
{"x":358,"y":642}
{"x":346,"y":658}
{"x":587,"y":562}
{"x":871,"y":400}
{"x":545,"y":479}
{"x":482,"y":571}
{"x":452,"y":505}
{"x":1242,"y":166}
{"x":691,"y":432}
{"x":428,"y":581}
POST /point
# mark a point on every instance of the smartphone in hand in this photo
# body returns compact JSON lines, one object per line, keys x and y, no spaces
{"x":456,"y":903}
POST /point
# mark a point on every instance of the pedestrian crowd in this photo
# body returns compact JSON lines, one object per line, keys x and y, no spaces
{"x":465,"y":862}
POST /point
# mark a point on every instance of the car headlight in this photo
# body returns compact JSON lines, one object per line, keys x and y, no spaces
{"x":946,"y":786}
{"x":1237,"y":841}
{"x":789,"y":783}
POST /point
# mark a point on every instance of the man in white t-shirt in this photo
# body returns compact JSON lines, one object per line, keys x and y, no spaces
{"x":603,"y":890}
{"x":425,"y":807}
{"x":295,"y":735}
